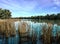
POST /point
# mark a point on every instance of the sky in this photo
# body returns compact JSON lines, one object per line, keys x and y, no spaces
{"x":25,"y":8}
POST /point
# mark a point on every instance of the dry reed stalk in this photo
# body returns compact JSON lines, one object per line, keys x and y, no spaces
{"x":11,"y":20}
{"x":23,"y":32}
{"x":2,"y":27}
{"x":12,"y":29}
{"x":44,"y":35}
{"x":5,"y":27}
{"x":22,"y":28}
{"x":49,"y":33}
{"x":34,"y":37}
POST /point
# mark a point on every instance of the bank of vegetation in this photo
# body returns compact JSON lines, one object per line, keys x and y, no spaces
{"x":46,"y":17}
{"x":6,"y":14}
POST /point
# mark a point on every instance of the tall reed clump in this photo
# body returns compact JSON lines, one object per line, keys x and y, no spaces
{"x":13,"y":29}
{"x":58,"y":34}
{"x":7,"y":28}
{"x":2,"y":28}
{"x":47,"y":34}
{"x":34,"y":37}
{"x":22,"y":28}
{"x":22,"y":31}
{"x":44,"y":35}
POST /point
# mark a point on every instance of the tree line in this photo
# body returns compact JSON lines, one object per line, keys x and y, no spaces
{"x":47,"y":17}
{"x":6,"y":14}
{"x":51,"y":16}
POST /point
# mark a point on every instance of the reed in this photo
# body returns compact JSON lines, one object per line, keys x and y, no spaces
{"x":22,"y":28}
{"x":58,"y":34}
{"x":47,"y":33}
{"x":7,"y":28}
{"x":23,"y":32}
{"x":44,"y":35}
{"x":13,"y":30}
{"x":34,"y":37}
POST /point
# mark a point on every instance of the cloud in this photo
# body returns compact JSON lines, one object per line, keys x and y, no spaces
{"x":28,"y":7}
{"x":57,"y":2}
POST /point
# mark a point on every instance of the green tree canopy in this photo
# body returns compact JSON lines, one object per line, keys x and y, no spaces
{"x":4,"y":13}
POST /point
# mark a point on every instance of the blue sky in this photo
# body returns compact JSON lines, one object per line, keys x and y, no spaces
{"x":25,"y":8}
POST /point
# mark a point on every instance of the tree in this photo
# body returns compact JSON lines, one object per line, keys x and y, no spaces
{"x":4,"y":13}
{"x":52,"y":16}
{"x":58,"y":16}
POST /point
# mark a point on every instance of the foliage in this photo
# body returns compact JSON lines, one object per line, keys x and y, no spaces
{"x":48,"y":17}
{"x":4,"y":13}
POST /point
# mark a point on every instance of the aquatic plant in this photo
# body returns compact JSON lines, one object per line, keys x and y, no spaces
{"x":23,"y":32}
{"x":47,"y":32}
{"x":34,"y":37}
{"x":6,"y":27}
